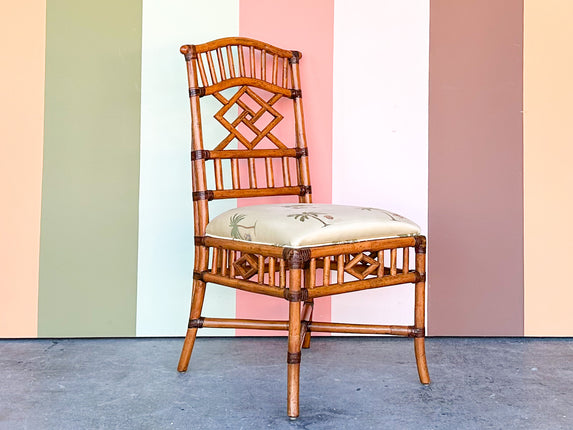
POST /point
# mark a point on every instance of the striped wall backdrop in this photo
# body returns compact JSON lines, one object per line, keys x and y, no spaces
{"x":463,"y":108}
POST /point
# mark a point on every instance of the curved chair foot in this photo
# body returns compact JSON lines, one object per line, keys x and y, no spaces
{"x":293,"y":371}
{"x":306,"y":341}
{"x":420,"y":350}
{"x":187,"y":350}
{"x":195,"y":313}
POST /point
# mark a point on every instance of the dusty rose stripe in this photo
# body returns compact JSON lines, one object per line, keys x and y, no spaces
{"x":476,"y":168}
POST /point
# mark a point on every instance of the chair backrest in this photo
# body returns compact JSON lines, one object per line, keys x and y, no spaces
{"x":262,"y":75}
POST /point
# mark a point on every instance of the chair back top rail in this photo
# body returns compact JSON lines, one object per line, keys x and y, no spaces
{"x":243,"y":41}
{"x":238,"y":61}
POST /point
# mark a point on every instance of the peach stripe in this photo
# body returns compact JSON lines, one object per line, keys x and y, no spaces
{"x":22,"y":34}
{"x":548,"y":178}
{"x":306,"y":26}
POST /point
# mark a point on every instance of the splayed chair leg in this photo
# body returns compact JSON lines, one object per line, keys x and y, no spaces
{"x":194,"y":324}
{"x":420,"y":351}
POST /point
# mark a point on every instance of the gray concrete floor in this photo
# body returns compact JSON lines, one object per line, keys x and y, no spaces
{"x":240,"y":383}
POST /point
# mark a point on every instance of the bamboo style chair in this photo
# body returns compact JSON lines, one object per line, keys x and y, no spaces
{"x":246,"y":248}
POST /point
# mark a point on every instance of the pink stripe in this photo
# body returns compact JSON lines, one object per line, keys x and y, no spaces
{"x":306,"y":26}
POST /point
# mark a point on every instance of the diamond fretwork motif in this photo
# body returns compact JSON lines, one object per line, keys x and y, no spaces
{"x":361,"y":266}
{"x":249,"y":117}
{"x":246,"y":266}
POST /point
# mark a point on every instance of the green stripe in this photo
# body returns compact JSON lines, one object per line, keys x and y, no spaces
{"x":88,"y":249}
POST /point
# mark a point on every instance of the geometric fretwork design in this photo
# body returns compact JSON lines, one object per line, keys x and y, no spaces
{"x":361,"y":266}
{"x":246,"y":266}
{"x":248,"y":117}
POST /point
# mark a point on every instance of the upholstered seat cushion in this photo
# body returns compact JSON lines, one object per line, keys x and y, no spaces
{"x":308,"y":224}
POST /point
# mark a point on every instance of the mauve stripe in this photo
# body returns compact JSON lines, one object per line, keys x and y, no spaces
{"x":476,"y":168}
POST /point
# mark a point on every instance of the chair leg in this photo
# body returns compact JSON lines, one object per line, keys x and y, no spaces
{"x":420,"y":351}
{"x":306,"y":341}
{"x":420,"y":313}
{"x":293,"y":356}
{"x":196,"y":306}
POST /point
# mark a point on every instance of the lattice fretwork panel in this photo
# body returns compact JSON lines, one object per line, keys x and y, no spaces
{"x":256,"y":268}
{"x":252,"y":110}
{"x":252,"y":121}
{"x":342,"y":268}
{"x":329,"y":270}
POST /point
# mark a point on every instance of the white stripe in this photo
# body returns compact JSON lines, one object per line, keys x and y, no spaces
{"x":165,"y":262}
{"x":380,"y":128}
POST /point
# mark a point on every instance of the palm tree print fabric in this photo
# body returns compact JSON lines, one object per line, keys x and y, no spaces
{"x":240,"y":231}
{"x":303,"y":216}
{"x":309,"y":224}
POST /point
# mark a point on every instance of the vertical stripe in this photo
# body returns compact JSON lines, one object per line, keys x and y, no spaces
{"x":22,"y":42}
{"x":88,"y":252}
{"x":548,"y":178}
{"x":380,"y":142}
{"x":475,"y":168}
{"x":166,"y":234}
{"x":306,"y":26}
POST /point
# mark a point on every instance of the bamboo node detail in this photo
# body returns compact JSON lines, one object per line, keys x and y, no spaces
{"x":296,"y":257}
{"x":199,"y":91}
{"x":199,"y":240}
{"x":301,"y":152}
{"x":296,"y":296}
{"x":293,"y":357}
{"x":196,"y":323}
{"x":200,"y":154}
{"x":305,"y":189}
{"x":295,"y":94}
{"x":189,"y":51}
{"x":296,"y":56}
{"x":420,"y":245}
{"x":203,"y":195}
{"x":417,"y":332}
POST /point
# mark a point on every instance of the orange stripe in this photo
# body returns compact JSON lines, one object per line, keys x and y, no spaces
{"x":310,"y":30}
{"x":23,"y":37}
{"x":548,"y":178}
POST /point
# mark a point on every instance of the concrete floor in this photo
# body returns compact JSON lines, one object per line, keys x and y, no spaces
{"x":346,"y":383}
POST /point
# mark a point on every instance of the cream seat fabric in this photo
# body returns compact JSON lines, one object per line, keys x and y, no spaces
{"x":308,"y":224}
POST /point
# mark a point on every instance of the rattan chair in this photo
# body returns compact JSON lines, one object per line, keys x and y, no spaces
{"x":297,"y":251}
